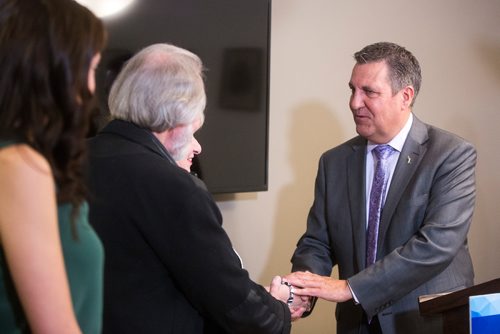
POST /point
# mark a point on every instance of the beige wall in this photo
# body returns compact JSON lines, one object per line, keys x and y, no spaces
{"x":458,"y":45}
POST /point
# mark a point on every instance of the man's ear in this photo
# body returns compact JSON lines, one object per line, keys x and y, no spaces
{"x":408,"y":93}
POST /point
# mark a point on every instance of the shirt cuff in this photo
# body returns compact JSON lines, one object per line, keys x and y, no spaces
{"x":356,"y":301}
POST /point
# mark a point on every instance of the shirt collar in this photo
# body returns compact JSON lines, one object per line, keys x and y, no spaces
{"x":399,"y":140}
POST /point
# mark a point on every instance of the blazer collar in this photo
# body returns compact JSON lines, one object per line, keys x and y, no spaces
{"x":409,"y":159}
{"x":141,"y":136}
{"x":357,"y":197}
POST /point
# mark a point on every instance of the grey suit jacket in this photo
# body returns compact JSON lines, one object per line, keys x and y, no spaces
{"x":422,"y":245}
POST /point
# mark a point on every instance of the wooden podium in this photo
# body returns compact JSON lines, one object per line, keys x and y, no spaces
{"x":454,"y":306}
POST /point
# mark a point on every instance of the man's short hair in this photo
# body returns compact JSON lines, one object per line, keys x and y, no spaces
{"x":404,"y":69}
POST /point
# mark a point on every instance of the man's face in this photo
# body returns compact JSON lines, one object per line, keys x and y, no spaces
{"x":183,"y":146}
{"x":379,"y":115}
{"x":192,"y":149}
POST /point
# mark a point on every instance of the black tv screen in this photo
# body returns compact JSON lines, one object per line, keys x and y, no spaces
{"x":232,"y":37}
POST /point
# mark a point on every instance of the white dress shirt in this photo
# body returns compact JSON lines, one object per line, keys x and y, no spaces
{"x":397,"y":144}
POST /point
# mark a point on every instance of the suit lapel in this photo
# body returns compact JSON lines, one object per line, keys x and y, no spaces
{"x":355,"y":173}
{"x":408,"y":162}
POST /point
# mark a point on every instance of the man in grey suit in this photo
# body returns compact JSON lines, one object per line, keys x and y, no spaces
{"x":420,"y":244}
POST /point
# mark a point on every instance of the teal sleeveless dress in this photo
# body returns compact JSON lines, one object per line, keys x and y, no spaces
{"x":84,"y":261}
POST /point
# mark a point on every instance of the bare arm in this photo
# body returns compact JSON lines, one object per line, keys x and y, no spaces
{"x":29,"y":237}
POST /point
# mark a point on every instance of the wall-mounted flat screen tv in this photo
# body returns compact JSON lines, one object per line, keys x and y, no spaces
{"x":232,"y":37}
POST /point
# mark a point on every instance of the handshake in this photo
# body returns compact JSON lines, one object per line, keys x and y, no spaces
{"x":298,"y":289}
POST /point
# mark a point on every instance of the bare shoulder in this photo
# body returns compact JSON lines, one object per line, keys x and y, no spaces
{"x":25,"y":175}
{"x":25,"y":182}
{"x":21,"y":160}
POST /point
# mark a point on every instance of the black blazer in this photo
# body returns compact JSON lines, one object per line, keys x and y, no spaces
{"x":169,"y":265}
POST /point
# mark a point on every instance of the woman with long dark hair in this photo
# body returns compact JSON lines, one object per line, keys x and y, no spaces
{"x":51,"y":261}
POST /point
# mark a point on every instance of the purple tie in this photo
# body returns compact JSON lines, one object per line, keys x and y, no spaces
{"x":377,"y":194}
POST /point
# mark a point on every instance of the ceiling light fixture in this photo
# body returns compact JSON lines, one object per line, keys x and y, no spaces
{"x":103,"y":8}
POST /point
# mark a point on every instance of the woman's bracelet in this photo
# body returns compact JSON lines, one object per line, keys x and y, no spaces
{"x":289,"y":301}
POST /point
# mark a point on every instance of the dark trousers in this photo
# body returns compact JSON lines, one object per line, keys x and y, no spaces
{"x":371,"y":328}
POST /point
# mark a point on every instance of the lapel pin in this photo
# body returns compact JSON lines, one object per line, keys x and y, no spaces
{"x":408,"y":161}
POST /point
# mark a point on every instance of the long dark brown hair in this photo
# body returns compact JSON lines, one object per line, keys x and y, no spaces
{"x":46,"y":48}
